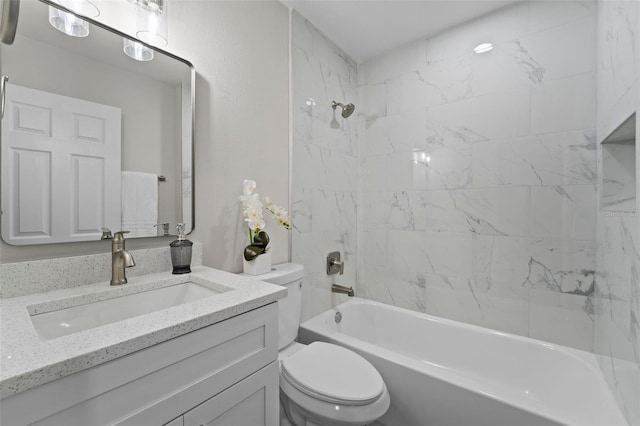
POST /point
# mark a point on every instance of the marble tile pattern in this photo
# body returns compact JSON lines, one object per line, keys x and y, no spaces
{"x":325,"y":164}
{"x":478,"y":173}
{"x":38,"y":276}
{"x":616,"y":298}
{"x":29,"y":361}
{"x":480,"y":177}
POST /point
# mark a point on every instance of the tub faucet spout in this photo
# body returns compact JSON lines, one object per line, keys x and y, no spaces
{"x":335,"y":288}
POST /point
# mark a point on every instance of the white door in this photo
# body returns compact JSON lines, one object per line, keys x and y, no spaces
{"x":61,"y":168}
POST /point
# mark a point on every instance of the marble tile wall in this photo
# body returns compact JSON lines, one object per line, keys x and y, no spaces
{"x":480,"y":177}
{"x":324,"y":164}
{"x":617,"y":291}
{"x":478,"y":173}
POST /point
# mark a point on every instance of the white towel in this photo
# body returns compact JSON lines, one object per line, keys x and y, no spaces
{"x":139,"y":204}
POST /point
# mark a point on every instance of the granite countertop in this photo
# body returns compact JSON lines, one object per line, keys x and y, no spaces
{"x":27,"y":360}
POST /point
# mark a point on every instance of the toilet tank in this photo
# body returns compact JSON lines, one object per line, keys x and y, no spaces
{"x":288,"y":275}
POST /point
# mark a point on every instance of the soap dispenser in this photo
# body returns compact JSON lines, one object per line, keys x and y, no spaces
{"x":181,"y":252}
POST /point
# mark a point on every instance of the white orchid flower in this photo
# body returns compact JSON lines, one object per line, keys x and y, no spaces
{"x":253,"y":213}
{"x":248,"y":186}
{"x":256,"y":225}
{"x":279,"y":212}
{"x":252,"y":210}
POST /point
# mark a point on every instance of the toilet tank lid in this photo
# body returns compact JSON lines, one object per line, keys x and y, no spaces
{"x":282,"y":274}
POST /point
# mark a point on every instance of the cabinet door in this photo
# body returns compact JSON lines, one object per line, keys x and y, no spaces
{"x":251,"y":402}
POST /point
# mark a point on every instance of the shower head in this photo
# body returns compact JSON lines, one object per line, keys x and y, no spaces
{"x":347,"y":109}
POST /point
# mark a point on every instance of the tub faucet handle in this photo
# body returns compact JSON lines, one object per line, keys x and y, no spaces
{"x":338,"y":264}
{"x":334,"y":264}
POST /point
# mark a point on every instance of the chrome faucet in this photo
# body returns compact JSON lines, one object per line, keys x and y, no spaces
{"x":335,"y":288}
{"x":120,"y":259}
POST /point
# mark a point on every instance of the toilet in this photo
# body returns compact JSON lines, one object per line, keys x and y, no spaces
{"x":321,"y":384}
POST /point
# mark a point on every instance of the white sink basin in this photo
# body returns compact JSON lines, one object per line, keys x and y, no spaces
{"x":84,"y":317}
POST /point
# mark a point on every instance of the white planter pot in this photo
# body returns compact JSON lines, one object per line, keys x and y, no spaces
{"x":258,"y":266}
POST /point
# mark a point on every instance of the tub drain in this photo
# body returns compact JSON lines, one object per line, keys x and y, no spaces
{"x":338,"y":317}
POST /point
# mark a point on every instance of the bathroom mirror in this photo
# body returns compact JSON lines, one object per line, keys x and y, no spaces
{"x":92,"y":138}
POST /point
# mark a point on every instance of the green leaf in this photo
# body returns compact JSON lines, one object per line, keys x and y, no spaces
{"x":261,"y":239}
{"x":253,"y":251}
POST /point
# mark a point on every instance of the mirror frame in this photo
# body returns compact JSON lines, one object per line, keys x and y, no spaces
{"x":187,"y":144}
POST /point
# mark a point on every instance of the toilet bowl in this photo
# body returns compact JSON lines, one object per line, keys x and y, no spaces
{"x":321,"y":384}
{"x":326,"y":384}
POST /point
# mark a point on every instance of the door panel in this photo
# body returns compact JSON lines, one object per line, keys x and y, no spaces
{"x":88,"y":174}
{"x":33,"y":197}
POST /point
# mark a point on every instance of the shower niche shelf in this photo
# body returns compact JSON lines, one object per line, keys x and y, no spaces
{"x":619,"y":169}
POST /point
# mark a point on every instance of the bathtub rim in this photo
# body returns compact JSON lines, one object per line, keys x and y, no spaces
{"x":317,"y":326}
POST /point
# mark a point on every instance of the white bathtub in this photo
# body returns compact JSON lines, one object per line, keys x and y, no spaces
{"x":442,"y":372}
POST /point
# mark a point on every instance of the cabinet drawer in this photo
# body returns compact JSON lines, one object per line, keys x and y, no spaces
{"x":252,"y":402}
{"x":157,"y":384}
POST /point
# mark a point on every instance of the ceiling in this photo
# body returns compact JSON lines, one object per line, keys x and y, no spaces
{"x":367,"y":28}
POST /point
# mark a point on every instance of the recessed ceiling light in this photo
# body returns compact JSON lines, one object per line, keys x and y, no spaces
{"x":483,"y":48}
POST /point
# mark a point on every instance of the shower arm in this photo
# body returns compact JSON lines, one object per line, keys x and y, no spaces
{"x":335,"y":104}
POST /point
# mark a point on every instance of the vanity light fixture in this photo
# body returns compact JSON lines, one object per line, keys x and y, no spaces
{"x":70,"y":24}
{"x":152,"y":21}
{"x":483,"y":48}
{"x":137,"y":50}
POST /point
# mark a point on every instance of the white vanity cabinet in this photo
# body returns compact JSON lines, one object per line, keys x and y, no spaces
{"x":222,"y":374}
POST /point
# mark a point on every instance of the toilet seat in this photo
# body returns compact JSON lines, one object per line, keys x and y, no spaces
{"x":333,"y":374}
{"x":330,"y":385}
